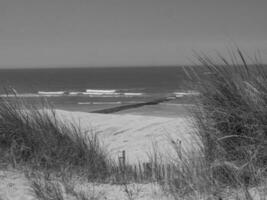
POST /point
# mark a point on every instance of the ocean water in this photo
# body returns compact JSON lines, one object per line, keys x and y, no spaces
{"x":95,"y":88}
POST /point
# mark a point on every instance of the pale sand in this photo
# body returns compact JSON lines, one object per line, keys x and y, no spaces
{"x":132,"y":133}
{"x":136,"y":134}
{"x":15,"y":186}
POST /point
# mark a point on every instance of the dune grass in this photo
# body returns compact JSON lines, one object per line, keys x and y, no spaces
{"x":45,"y":186}
{"x":231,"y":122}
{"x":232,"y":114}
{"x":37,"y":137}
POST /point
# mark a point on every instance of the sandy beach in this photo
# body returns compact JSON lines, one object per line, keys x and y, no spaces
{"x":136,"y":134}
{"x":132,"y":131}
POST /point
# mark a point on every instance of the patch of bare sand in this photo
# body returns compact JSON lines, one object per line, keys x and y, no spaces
{"x":15,"y":186}
{"x":136,"y":134}
{"x":132,"y":133}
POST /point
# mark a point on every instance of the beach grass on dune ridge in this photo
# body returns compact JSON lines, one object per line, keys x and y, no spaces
{"x":37,"y":137}
{"x":233,"y":110}
{"x":230,"y":118}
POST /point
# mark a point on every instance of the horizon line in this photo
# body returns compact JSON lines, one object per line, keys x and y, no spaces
{"x":81,"y":66}
{"x":110,"y":66}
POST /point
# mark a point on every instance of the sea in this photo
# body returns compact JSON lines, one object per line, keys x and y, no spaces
{"x":95,"y":88}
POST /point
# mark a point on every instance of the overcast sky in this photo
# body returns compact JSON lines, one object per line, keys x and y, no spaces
{"x":126,"y":32}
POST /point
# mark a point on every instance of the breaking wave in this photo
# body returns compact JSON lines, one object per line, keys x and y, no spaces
{"x":100,"y":103}
{"x":51,"y":93}
{"x":98,"y":93}
{"x":91,"y":93}
{"x":188,"y":93}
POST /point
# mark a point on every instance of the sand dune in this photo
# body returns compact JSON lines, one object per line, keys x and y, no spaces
{"x":15,"y":186}
{"x":133,"y":133}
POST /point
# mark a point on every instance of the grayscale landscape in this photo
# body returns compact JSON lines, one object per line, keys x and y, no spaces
{"x":133,"y":100}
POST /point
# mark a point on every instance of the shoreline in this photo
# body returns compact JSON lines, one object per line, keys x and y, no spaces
{"x":169,"y":109}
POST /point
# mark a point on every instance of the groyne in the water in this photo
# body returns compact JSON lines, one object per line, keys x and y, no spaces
{"x":130,"y":106}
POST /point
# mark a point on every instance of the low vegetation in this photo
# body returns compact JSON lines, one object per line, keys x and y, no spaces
{"x":44,"y":186}
{"x":230,"y":118}
{"x":38,"y":138}
{"x":232,"y":114}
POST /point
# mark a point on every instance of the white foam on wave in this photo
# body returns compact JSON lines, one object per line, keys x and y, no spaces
{"x":111,"y":93}
{"x":133,"y":94}
{"x":101,"y":94}
{"x":99,"y":103}
{"x":75,"y":93}
{"x":52,"y":93}
{"x":66,"y":93}
{"x":20,"y":95}
{"x":100,"y":91}
{"x":189,"y":93}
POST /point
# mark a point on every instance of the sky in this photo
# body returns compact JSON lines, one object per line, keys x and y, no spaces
{"x":74,"y":33}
